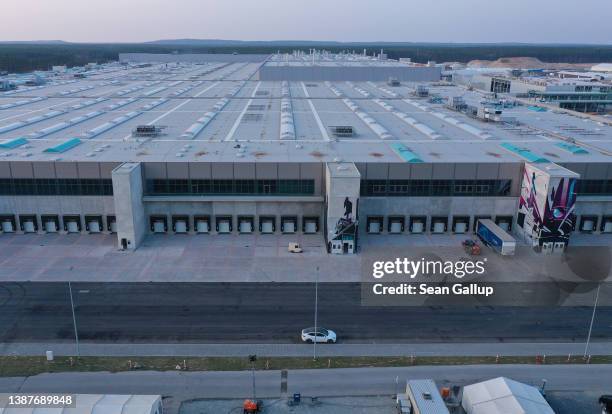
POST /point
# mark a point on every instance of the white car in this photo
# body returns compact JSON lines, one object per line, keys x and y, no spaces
{"x":321,"y":335}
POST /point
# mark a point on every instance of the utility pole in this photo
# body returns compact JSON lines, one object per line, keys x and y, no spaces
{"x":314,"y":342}
{"x":253,"y":359}
{"x":76,"y":332}
{"x":588,"y":341}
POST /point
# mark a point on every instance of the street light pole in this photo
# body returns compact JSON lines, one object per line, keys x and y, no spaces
{"x":314,"y":342}
{"x":253,"y":359}
{"x":588,"y":341}
{"x":76,"y":332}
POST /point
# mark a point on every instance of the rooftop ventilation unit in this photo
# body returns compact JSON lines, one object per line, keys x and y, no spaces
{"x":456,"y":103}
{"x":287,"y":125}
{"x":422,"y":91}
{"x":255,"y":107}
{"x":252,"y":117}
{"x":489,"y":113}
{"x":342,"y":131}
{"x":147,"y":131}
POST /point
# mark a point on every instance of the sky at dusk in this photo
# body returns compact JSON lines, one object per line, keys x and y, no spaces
{"x":526,"y":21}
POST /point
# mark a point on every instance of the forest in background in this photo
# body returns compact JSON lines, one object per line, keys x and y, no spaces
{"x":28,"y":56}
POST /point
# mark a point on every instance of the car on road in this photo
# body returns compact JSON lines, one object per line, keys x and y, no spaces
{"x":320,"y":335}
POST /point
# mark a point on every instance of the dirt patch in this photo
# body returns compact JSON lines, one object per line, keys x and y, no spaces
{"x":525,"y":62}
{"x":317,"y":154}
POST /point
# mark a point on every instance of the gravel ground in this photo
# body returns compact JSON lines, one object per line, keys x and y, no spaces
{"x":574,"y":402}
{"x":566,"y":402}
{"x":343,"y":405}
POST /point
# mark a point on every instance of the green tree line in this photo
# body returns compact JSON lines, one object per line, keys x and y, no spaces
{"x":25,"y":57}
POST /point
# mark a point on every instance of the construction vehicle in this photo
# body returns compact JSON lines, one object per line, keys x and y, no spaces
{"x":471,"y":247}
{"x":252,"y":406}
{"x":148,"y":131}
{"x":295,"y":248}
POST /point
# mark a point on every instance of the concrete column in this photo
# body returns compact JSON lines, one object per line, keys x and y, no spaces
{"x":343,"y":183}
{"x":129,"y":209}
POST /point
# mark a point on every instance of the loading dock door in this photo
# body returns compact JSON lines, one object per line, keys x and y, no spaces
{"x":588,"y":224}
{"x":50,"y":226}
{"x":374,"y":225}
{"x":417,"y":225}
{"x":29,"y":227}
{"x":439,"y":225}
{"x":50,"y":223}
{"x":202,"y":225}
{"x":72,"y":224}
{"x":93,"y":224}
{"x":224,"y":225}
{"x":8,"y":224}
{"x":29,"y":224}
{"x":245,"y":225}
{"x":311,"y":225}
{"x":159,"y":227}
{"x":288,"y":225}
{"x":396,"y":225}
{"x":159,"y":224}
{"x":266,"y":225}
{"x":504,"y":222}
{"x":606,"y":226}
{"x":180,"y":226}
{"x":111,"y":224}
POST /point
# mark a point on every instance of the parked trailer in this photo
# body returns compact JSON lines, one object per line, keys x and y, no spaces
{"x":495,"y":237}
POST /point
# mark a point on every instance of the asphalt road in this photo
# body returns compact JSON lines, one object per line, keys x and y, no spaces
{"x":265,"y":312}
{"x":322,"y":382}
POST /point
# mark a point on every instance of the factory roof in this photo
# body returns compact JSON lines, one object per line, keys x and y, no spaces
{"x":216,"y":112}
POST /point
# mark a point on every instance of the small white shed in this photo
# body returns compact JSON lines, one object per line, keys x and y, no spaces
{"x":101,"y":404}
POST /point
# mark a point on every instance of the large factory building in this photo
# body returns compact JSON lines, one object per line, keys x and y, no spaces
{"x":287,"y":144}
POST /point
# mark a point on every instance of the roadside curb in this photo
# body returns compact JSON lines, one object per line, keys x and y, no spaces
{"x":303,"y":350}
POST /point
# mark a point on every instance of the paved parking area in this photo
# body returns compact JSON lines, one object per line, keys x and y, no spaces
{"x":162,"y":258}
{"x":251,"y":258}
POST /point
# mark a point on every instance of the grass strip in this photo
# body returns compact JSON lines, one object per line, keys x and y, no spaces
{"x":17,"y":366}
